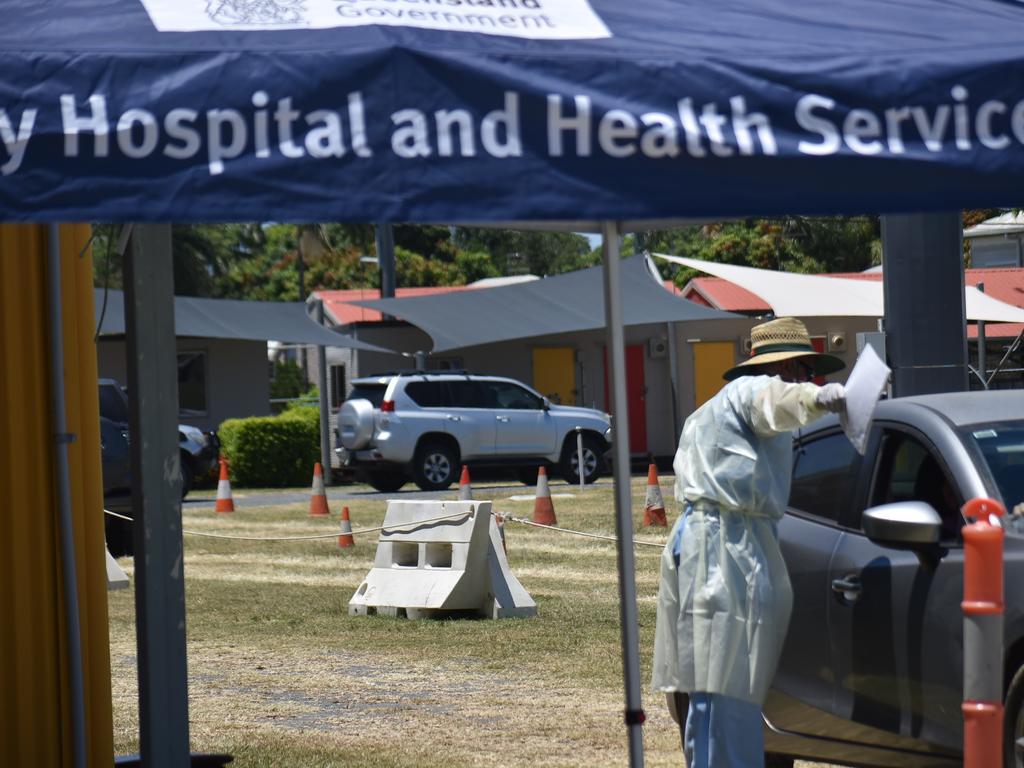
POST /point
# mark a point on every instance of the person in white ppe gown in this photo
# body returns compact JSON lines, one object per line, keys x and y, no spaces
{"x":724,"y":599}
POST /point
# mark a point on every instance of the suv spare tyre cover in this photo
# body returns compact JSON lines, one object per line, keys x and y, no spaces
{"x":355,"y":423}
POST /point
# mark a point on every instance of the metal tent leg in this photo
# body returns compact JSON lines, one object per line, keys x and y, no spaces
{"x":61,"y":440}
{"x":925,"y":326}
{"x":156,"y":498}
{"x":623,"y":502}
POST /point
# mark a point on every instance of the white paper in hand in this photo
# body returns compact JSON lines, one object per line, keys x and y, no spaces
{"x":863,"y":388}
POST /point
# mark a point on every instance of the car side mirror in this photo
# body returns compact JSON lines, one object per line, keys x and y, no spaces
{"x":903,"y":525}
{"x":546,"y":404}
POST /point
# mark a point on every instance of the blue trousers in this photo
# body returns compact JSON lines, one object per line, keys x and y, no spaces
{"x":723,"y":732}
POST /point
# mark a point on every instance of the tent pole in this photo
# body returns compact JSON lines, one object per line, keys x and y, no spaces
{"x":610,"y":242}
{"x":325,"y":401}
{"x":925,"y":317}
{"x":61,"y":439}
{"x":673,"y":376}
{"x":982,"y":361}
{"x":156,"y":497}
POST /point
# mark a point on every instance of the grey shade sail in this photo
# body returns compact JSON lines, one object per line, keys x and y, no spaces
{"x":559,"y":304}
{"x":231,"y":319}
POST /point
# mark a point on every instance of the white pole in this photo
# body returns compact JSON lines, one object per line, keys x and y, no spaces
{"x":623,"y":501}
{"x":579,"y":455}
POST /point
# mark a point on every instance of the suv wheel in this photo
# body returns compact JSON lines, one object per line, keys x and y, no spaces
{"x":434,"y":466}
{"x":385,"y":482}
{"x":591,"y":460}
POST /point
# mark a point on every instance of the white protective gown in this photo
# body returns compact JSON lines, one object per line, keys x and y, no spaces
{"x":724,"y":612}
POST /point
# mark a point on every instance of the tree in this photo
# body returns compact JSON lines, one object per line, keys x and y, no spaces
{"x":542,"y":253}
{"x":792,"y":244}
{"x":202,"y":254}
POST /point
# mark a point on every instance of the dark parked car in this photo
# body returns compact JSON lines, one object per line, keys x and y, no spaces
{"x":871,"y":673}
{"x":199,"y":453}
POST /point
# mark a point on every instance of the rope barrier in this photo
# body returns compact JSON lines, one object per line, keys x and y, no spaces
{"x":524,"y":521}
{"x":400,"y":526}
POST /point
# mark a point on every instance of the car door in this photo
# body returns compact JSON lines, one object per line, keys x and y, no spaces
{"x":894,"y":618}
{"x":523,"y":426}
{"x":825,"y":482}
{"x":467,"y":418}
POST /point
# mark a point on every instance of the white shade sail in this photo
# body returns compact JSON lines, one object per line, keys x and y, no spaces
{"x":797,"y":295}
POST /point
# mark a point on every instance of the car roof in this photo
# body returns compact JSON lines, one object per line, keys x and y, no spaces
{"x":384,"y":378}
{"x":962,"y":408}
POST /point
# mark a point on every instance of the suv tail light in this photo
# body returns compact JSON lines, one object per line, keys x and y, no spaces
{"x":387,"y":406}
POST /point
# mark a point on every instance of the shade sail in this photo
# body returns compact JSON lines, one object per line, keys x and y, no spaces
{"x":561,"y":304}
{"x":470,"y":110}
{"x":800,"y":295}
{"x":229,"y":319}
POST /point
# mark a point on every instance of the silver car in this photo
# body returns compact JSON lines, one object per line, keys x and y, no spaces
{"x":872,"y":670}
{"x":424,"y":426}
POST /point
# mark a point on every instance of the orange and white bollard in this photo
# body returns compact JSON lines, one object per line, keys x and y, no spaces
{"x":983,"y":634}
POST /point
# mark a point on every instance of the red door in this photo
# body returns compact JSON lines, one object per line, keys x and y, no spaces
{"x":636,"y":396}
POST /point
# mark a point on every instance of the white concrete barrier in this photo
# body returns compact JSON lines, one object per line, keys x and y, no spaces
{"x":116,"y":577}
{"x":426,"y":567}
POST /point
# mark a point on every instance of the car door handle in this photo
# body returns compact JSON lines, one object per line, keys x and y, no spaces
{"x":453,"y":417}
{"x":502,"y":418}
{"x":848,"y":586}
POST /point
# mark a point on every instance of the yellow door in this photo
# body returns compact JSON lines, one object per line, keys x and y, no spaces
{"x":710,"y":360}
{"x":554,"y":374}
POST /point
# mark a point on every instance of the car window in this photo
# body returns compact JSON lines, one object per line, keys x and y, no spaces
{"x":112,"y":404}
{"x":824,"y":476}
{"x":505,"y":395}
{"x":1002,"y":445}
{"x":908,"y":470}
{"x":467,"y":394}
{"x":372,"y":392}
{"x":426,"y":394}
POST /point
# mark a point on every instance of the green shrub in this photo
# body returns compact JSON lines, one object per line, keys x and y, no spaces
{"x":272,"y":451}
{"x":288,"y":380}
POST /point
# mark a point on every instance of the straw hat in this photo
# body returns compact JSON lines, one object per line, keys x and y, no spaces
{"x":783,"y":339}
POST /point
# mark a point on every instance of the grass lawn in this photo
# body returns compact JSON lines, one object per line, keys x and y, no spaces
{"x":280,"y":675}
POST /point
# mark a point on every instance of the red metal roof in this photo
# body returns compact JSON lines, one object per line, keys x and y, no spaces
{"x":719,"y":293}
{"x":996,"y":330}
{"x":1005,"y":284}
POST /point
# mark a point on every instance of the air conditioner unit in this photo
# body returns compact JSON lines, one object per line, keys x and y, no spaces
{"x":745,"y":346}
{"x":837,"y":341}
{"x":657,"y":347}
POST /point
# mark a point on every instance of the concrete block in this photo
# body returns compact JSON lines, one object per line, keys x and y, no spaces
{"x":455,"y":566}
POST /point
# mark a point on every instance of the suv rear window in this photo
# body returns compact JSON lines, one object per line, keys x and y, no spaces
{"x":426,"y":394}
{"x":372,"y":392}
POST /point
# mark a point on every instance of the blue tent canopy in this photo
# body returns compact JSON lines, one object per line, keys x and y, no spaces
{"x":506,"y":110}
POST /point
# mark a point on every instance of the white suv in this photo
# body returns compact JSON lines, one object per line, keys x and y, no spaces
{"x":424,"y":426}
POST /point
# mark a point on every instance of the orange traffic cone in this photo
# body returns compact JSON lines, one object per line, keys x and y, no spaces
{"x":465,"y":489}
{"x":654,"y":506}
{"x":224,"y":501}
{"x":318,"y":498}
{"x":543,"y":508}
{"x":345,"y":538}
